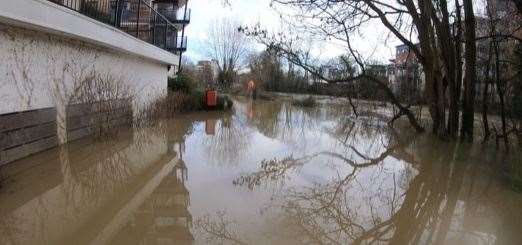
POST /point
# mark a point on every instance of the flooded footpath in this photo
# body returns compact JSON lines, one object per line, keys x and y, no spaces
{"x":266,"y":173}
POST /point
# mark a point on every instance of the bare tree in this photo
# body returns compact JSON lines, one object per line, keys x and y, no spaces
{"x":205,"y":74}
{"x":468,"y":112}
{"x":437,"y":25}
{"x":227,"y":46}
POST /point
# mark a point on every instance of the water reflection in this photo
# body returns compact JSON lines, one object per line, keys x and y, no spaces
{"x":163,"y":218}
{"x":444,"y":196}
{"x":124,"y":191}
{"x":229,"y":139}
{"x":266,"y":173}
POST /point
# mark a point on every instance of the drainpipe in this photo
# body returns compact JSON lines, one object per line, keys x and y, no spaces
{"x":182,"y":36}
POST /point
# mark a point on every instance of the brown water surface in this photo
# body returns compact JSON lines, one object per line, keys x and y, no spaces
{"x":266,"y":173}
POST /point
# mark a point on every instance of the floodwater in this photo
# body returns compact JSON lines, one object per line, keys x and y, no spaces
{"x":266,"y":173}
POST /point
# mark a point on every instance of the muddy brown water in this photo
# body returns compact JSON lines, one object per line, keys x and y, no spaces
{"x":266,"y":173}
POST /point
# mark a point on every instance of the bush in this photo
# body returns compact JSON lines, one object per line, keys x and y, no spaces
{"x":308,"y":102}
{"x":176,"y":102}
{"x":224,"y":103}
{"x":182,"y":83}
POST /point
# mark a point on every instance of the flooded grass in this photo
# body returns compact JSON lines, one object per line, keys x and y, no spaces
{"x":306,"y":102}
{"x":267,"y":172}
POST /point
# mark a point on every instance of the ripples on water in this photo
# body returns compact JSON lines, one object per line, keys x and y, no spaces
{"x":266,"y":173}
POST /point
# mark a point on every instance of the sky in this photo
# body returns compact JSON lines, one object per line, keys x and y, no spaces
{"x":250,"y":12}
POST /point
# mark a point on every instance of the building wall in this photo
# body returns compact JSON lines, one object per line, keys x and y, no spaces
{"x":48,"y":52}
{"x":42,"y":70}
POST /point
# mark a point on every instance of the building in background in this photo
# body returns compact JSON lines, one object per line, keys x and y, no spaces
{"x":405,"y":74}
{"x":208,"y":70}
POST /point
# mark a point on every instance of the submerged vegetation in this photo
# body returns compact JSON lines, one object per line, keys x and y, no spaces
{"x":306,"y":102}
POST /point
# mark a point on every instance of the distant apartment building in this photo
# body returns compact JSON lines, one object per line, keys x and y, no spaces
{"x":208,"y":66}
{"x":405,"y":74}
{"x":50,"y":50}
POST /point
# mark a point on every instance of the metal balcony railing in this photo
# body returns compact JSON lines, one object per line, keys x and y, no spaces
{"x":181,"y":44}
{"x":136,"y":17}
{"x":177,"y":17}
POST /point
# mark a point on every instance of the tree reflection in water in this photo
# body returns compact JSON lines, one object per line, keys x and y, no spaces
{"x":372,"y":203}
{"x":338,"y":180}
{"x":218,"y":229}
{"x":231,"y":139}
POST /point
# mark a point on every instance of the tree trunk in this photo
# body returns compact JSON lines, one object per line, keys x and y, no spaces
{"x":485,"y":93}
{"x":455,"y":86}
{"x":468,"y":111}
{"x":500,"y":92}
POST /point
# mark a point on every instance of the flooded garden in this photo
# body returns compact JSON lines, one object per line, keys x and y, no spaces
{"x":267,"y":172}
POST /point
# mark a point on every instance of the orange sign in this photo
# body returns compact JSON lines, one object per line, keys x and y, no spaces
{"x":211,"y":98}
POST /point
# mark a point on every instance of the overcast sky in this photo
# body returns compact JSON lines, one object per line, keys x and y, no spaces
{"x":250,"y":12}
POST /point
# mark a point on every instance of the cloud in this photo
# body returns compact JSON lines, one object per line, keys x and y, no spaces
{"x":370,"y":42}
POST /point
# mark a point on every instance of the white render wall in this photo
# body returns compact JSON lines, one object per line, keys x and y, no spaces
{"x":40,"y":70}
{"x":46,"y":51}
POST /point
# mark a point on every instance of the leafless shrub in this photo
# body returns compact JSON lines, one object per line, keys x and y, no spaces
{"x":107,"y":99}
{"x":167,"y":106}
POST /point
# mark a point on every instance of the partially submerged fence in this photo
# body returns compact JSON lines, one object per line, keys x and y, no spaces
{"x":25,"y":133}
{"x":28,"y":132}
{"x":96,"y":118}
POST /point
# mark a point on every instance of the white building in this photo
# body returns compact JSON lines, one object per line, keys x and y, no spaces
{"x":49,"y":48}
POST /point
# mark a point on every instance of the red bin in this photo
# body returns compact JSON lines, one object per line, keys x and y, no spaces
{"x":211,"y":98}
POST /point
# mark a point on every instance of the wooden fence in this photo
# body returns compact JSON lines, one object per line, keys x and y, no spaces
{"x":28,"y":132}
{"x":88,"y":119}
{"x":25,"y":133}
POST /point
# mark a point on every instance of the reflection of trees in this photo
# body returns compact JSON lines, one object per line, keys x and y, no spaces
{"x":277,"y":169}
{"x":218,"y":229}
{"x":231,"y":139}
{"x":89,"y":177}
{"x":285,"y":122}
{"x":415,"y":205}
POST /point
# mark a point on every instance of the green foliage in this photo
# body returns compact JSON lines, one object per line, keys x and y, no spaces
{"x":182,"y":83}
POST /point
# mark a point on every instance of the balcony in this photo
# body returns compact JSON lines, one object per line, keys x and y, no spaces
{"x":181,"y":44}
{"x":137,"y":18}
{"x":177,"y":17}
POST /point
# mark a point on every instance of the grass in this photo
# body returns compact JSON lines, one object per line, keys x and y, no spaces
{"x":307,"y":102}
